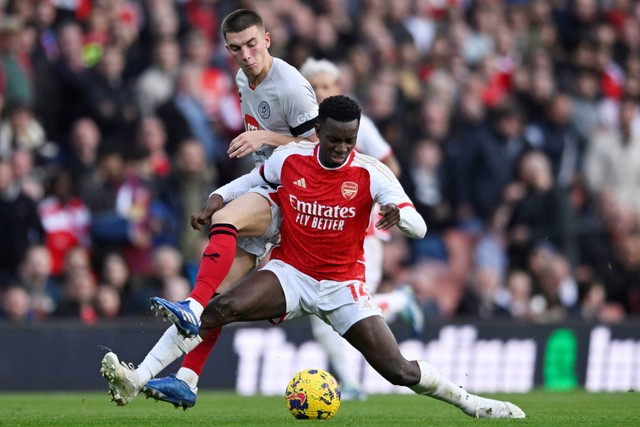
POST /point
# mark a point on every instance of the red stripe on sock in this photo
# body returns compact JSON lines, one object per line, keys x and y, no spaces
{"x":196,"y":359}
{"x":216,"y":262}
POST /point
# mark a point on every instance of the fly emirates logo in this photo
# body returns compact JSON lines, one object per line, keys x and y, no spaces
{"x":320,"y":217}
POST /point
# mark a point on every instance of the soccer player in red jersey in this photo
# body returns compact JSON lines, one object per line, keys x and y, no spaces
{"x":326,"y":192}
{"x":278,"y":106}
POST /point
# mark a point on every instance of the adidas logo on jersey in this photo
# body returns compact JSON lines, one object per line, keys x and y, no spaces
{"x":300,"y":183}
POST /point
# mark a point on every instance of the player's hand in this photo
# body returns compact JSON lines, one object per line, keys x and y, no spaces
{"x":203,"y":217}
{"x":246,"y":143}
{"x":390,"y":216}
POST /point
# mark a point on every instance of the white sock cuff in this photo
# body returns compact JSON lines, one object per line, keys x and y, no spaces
{"x":429,"y":379}
{"x":187,"y":344}
{"x":196,"y":307}
{"x":188,"y":376}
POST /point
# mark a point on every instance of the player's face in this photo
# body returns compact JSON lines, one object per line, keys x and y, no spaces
{"x":337,"y":140}
{"x":324,"y":85}
{"x":249,"y":49}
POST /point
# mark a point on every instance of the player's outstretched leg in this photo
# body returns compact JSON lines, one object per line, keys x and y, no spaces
{"x":179,"y":313}
{"x":181,"y":389}
{"x":216,"y":263}
{"x":434,"y":384}
{"x":172,"y":390}
{"x":122,"y":379}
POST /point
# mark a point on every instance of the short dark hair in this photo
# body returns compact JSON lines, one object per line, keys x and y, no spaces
{"x":340,"y":108}
{"x":240,"y":20}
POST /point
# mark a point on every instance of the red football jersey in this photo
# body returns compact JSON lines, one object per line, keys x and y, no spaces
{"x":326,"y":212}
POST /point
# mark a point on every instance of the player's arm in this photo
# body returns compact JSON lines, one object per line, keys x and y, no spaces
{"x":396,"y":209}
{"x":248,"y":142}
{"x":405,"y":217}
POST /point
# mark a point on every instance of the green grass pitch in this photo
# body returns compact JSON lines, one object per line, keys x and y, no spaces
{"x":543,"y":408}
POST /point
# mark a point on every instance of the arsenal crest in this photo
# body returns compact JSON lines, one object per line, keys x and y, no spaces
{"x":349,"y":190}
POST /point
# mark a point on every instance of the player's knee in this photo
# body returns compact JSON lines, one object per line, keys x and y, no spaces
{"x":225,"y":216}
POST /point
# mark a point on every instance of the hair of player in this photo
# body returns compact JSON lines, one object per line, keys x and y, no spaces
{"x":340,"y":108}
{"x":312,"y":67}
{"x":239,"y":20}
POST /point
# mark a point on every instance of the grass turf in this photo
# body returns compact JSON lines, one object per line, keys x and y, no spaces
{"x":228,"y":409}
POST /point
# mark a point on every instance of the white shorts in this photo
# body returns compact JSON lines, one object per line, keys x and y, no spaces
{"x":260,"y":246}
{"x":340,"y":304}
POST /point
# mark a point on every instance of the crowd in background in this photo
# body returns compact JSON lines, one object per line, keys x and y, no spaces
{"x":517,"y":125}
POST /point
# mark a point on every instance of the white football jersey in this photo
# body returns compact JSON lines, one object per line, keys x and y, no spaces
{"x":370,"y":141}
{"x":284,"y":102}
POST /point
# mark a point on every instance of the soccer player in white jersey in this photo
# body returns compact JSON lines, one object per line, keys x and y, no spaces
{"x":326,"y":193}
{"x":324,"y":78}
{"x":278,"y":106}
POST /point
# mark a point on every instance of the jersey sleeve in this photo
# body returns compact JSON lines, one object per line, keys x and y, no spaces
{"x":385,"y":189}
{"x":370,"y":141}
{"x":300,"y":107}
{"x":240,"y":185}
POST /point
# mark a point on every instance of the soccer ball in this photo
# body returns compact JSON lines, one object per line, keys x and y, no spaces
{"x":313,"y":394}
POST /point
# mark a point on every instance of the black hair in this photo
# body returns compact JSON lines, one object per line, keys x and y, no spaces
{"x":240,"y":20}
{"x":340,"y":108}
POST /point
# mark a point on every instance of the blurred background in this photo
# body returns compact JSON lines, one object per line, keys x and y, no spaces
{"x":516,"y":125}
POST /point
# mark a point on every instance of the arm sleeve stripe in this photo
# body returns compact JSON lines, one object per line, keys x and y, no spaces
{"x":404,"y":205}
{"x":303,"y":128}
{"x":271,"y":184}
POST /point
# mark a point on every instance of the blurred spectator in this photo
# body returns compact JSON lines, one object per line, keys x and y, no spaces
{"x":182,"y":193}
{"x":28,"y":175}
{"x":71,"y":77}
{"x":20,"y":225}
{"x":107,"y":302}
{"x":622,"y":278}
{"x":425,"y":181}
{"x":15,"y":65}
{"x":44,"y":52}
{"x":111,"y":102}
{"x":612,"y":163}
{"x":16,"y":305}
{"x":486,"y":162}
{"x":156,"y":84}
{"x":81,"y":158}
{"x":36,"y":276}
{"x":484,"y":295}
{"x":151,"y":135}
{"x":556,"y":136}
{"x":65,"y":217}
{"x":166,"y":276}
{"x":218,"y":93}
{"x":520,"y":289}
{"x":541,"y":212}
{"x":556,"y":294}
{"x":79,"y":290}
{"x":20,"y":130}
{"x":186,"y":115}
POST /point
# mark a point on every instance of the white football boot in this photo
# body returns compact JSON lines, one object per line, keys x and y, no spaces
{"x":481,"y":407}
{"x":122,"y":379}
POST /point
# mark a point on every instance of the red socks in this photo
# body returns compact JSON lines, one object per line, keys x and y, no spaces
{"x":216,"y":262}
{"x":196,"y":358}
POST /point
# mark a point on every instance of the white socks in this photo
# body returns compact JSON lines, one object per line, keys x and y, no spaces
{"x":434,"y":384}
{"x":171,"y":346}
{"x":195,"y":307}
{"x":189,"y":377}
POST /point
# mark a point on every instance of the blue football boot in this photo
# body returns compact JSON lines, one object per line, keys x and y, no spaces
{"x":412,"y":314}
{"x":179,"y":313}
{"x":173,"y":390}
